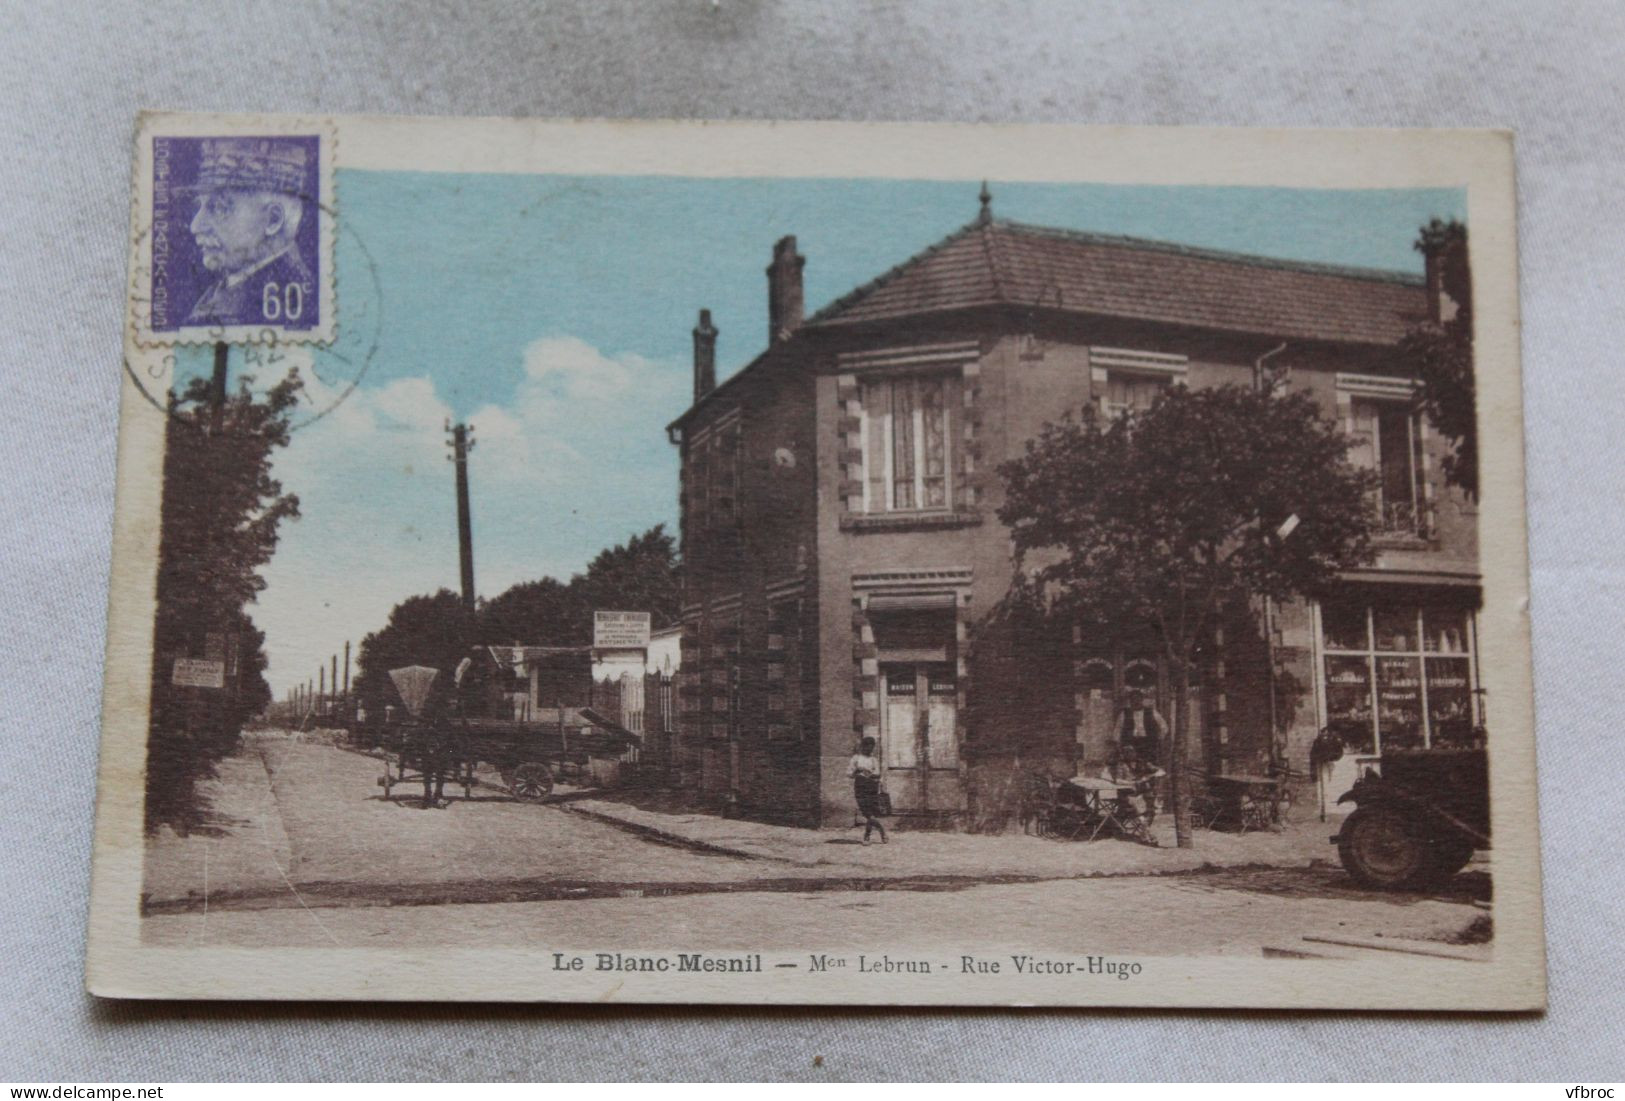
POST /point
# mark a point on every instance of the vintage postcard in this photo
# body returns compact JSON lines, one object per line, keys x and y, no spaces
{"x":819,"y":563}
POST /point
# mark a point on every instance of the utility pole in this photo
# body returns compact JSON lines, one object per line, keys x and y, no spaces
{"x":348,"y":710}
{"x":217,"y":391}
{"x":333,"y":681}
{"x":462,"y":442}
{"x":321,"y":689}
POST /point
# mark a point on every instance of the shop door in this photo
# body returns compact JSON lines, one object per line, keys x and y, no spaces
{"x":919,"y":739}
{"x":1105,"y":686}
{"x":1097,"y":733}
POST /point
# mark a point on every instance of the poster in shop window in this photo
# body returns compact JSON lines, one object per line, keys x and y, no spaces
{"x":877,"y":564}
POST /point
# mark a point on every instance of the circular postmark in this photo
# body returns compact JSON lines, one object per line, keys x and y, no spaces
{"x":328,"y":371}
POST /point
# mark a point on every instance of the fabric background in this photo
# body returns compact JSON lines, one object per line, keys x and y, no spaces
{"x":72,"y":75}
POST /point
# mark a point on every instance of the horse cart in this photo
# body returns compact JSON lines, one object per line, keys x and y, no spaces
{"x":438,"y":744}
{"x":1419,"y":820}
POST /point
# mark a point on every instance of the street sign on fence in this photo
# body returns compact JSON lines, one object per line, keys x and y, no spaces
{"x":620,"y":630}
{"x":198,"y":673}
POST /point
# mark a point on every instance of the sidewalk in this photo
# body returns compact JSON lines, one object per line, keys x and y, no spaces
{"x":296,"y":822}
{"x":937,"y":854}
{"x":242,"y":846}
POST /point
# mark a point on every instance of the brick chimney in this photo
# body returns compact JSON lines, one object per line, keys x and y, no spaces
{"x":705,"y":356}
{"x":784,"y":301}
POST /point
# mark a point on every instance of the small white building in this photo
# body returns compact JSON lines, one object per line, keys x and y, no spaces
{"x":552,"y":675}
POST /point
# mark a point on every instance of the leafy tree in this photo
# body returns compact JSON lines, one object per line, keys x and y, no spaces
{"x":1163,"y":516}
{"x":638,"y":575}
{"x":1440,"y":352}
{"x":218,"y":526}
{"x":641,"y":574}
{"x":437,"y":631}
{"x":537,"y":613}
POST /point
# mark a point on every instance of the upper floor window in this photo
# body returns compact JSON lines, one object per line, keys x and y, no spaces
{"x":697,"y":484}
{"x":1132,"y":393}
{"x":1387,"y":439}
{"x":908,"y":442}
{"x":725,"y":473}
{"x":1128,"y":380}
{"x":711,"y":477}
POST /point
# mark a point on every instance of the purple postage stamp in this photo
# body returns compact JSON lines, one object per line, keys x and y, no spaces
{"x":238,"y":236}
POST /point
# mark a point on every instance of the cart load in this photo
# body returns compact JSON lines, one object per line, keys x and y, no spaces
{"x":439,"y":743}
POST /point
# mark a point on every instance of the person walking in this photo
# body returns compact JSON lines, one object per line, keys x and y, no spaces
{"x":865,"y":772}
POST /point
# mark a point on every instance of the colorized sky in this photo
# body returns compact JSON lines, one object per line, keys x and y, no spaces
{"x":553,"y":313}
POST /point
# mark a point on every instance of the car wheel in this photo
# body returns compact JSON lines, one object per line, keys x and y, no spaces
{"x":1380,"y":847}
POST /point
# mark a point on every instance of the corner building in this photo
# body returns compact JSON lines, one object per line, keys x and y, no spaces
{"x":844,"y":559}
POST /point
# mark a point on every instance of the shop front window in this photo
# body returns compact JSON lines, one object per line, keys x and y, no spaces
{"x":1446,"y":631}
{"x":1397,"y":676}
{"x":1395,"y":629}
{"x":1449,"y":676}
{"x":1399,"y":702}
{"x":1348,"y":702}
{"x":1346,"y":627}
{"x":1450,"y":701}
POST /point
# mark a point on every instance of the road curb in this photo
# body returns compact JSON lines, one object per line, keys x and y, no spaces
{"x":340,"y":894}
{"x":677,"y":840}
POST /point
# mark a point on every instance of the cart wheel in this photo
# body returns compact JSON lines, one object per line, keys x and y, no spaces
{"x":531,"y":782}
{"x":1380,"y":847}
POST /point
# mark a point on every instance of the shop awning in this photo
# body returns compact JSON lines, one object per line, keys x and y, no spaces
{"x":1412,"y":577}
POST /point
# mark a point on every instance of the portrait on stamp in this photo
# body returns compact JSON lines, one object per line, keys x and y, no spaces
{"x":234,"y":233}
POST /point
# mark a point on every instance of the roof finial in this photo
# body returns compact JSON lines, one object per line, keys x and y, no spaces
{"x":985,"y":215}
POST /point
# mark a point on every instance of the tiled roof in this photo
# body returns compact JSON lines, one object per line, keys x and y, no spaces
{"x":1008,"y":263}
